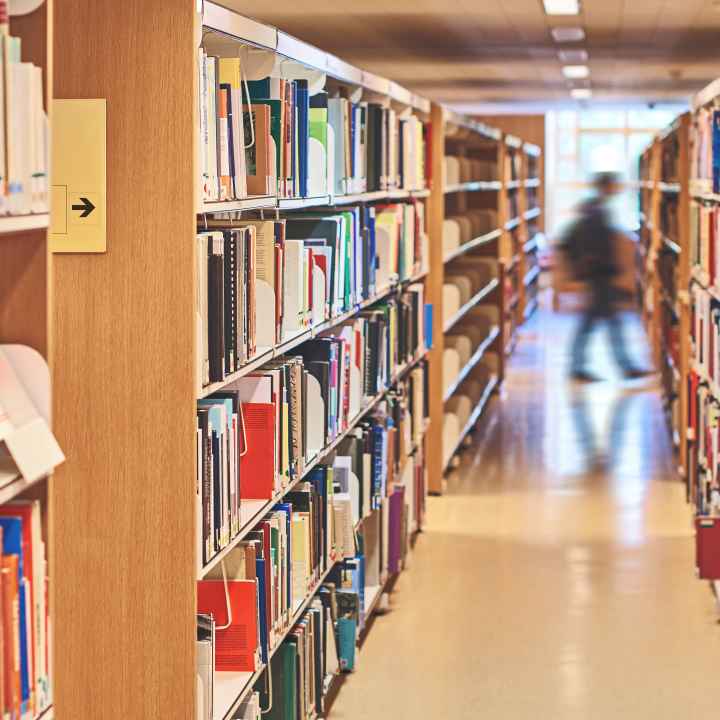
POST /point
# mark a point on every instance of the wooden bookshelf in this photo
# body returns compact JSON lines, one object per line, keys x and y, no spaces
{"x":664,"y":268}
{"x":124,"y":330}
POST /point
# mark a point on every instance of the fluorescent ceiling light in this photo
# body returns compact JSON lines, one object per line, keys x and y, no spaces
{"x":576,"y":72}
{"x":568,"y":34}
{"x":581,"y":93}
{"x":562,"y":7}
{"x":573,"y":57}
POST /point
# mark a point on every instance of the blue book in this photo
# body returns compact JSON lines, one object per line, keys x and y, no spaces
{"x":428,"y":325}
{"x":303,"y":116}
{"x":377,"y":469}
{"x":12,"y":545}
{"x":264,"y":643}
{"x":372,"y":265}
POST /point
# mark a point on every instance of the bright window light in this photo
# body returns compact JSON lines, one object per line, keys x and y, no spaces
{"x":576,"y":72}
{"x":568,"y":34}
{"x":581,"y":93}
{"x":562,"y":7}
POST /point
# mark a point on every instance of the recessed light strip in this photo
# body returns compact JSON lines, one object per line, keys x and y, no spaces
{"x":576,"y":72}
{"x":562,"y":7}
{"x":568,"y":34}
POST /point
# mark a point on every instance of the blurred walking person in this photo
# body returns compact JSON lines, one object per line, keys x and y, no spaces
{"x":590,"y":245}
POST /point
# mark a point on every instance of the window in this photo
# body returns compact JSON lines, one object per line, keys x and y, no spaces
{"x":581,"y":143}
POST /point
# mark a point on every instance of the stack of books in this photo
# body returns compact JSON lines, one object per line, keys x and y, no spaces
{"x":273,"y":137}
{"x":263,"y":282}
{"x":24,"y":132}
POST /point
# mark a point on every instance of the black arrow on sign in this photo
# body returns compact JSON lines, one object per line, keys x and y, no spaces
{"x":87,"y":207}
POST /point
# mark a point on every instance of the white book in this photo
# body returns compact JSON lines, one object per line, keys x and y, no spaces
{"x":203,"y":147}
{"x":293,"y":286}
{"x":20,"y":137}
{"x":212,"y":130}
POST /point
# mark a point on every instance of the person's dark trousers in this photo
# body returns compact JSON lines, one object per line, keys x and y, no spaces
{"x":600,"y":307}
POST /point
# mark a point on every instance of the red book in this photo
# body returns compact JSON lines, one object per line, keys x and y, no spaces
{"x":24,"y":511}
{"x":257,"y":465}
{"x":707,"y":547}
{"x":11,"y":634}
{"x":235,"y":646}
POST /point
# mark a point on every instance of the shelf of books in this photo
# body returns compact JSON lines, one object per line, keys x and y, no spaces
{"x":664,"y":265}
{"x":646,"y":260}
{"x":245,"y":370}
{"x":29,"y":451}
{"x":269,"y":367}
{"x":704,"y":300}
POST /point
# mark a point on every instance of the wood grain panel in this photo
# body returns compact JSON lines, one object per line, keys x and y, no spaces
{"x":24,"y":289}
{"x":123,"y":504}
{"x":435,"y":293}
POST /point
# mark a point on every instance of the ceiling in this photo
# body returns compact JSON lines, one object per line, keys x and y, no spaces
{"x":481,"y":54}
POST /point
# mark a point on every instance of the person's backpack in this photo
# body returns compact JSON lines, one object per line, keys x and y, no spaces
{"x":573,"y":246}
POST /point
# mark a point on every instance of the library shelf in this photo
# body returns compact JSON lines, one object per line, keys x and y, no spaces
{"x":532,"y":213}
{"x":450,"y":117}
{"x":474,"y":186}
{"x":514,"y":263}
{"x":532,"y":183}
{"x":231,"y":688}
{"x":475,"y":416}
{"x":530,"y":308}
{"x":22,"y":223}
{"x":512,"y":223}
{"x":531,"y":245}
{"x":472,"y":244}
{"x":472,"y":362}
{"x":669,"y":187}
{"x":271,"y":202}
{"x":531,"y":276}
{"x":257,"y":508}
{"x":256,"y":202}
{"x":513,"y":141}
{"x":302,"y":203}
{"x":513,"y":184}
{"x":671,"y":245}
{"x":471,"y":303}
{"x":532,"y":149}
{"x":12,"y":483}
{"x":264,"y":355}
{"x":707,"y":197}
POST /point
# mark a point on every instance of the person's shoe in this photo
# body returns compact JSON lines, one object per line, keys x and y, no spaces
{"x":584,"y":377}
{"x":636,"y":373}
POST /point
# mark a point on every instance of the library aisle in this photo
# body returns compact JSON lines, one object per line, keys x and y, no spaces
{"x":552,"y":579}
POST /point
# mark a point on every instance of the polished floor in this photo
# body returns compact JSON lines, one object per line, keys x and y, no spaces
{"x":554,"y":580}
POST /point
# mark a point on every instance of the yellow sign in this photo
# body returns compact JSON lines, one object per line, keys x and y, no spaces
{"x":78,"y":212}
